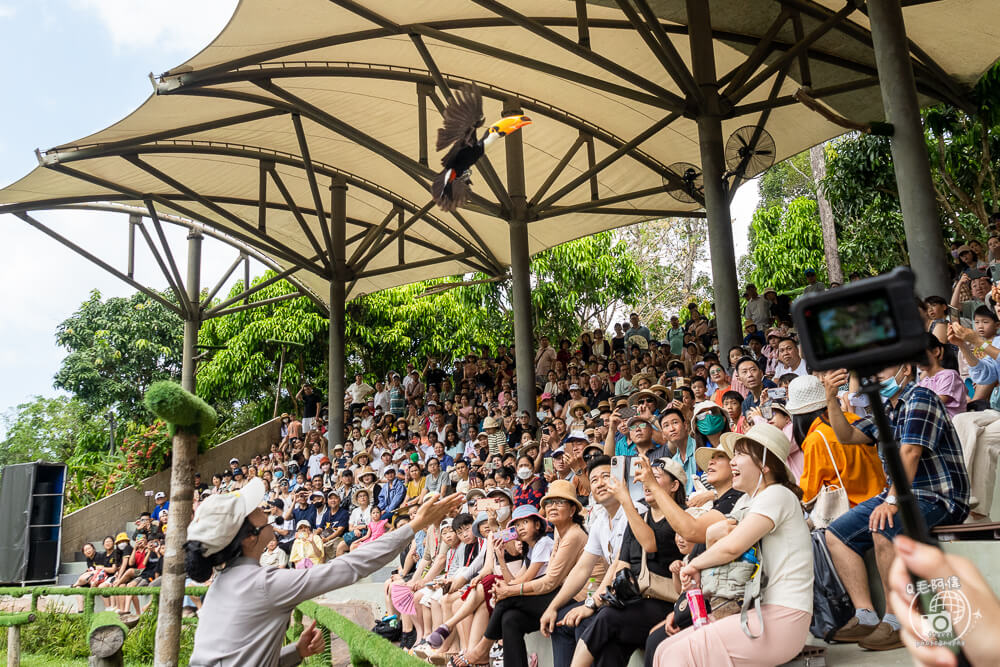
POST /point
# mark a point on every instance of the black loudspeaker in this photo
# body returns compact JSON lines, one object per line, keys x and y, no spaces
{"x":31,"y":504}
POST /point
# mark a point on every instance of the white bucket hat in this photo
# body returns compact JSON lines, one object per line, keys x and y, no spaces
{"x":806,"y":393}
{"x":220,"y":517}
{"x":770,"y":438}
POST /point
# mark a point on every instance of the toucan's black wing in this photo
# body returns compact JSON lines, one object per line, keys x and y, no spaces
{"x":461,"y":118}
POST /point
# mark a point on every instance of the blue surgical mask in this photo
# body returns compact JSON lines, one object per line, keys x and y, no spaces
{"x":278,"y":474}
{"x":710,"y":424}
{"x":889,"y":387}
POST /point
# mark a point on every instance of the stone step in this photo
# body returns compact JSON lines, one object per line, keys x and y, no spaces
{"x":75,"y":568}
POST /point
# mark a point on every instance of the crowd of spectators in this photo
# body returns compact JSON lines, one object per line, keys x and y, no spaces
{"x":647,"y":467}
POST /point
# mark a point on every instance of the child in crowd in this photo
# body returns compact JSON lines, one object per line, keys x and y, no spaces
{"x":377,"y":527}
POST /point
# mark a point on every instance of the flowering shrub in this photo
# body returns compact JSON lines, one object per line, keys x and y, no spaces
{"x":146,"y":450}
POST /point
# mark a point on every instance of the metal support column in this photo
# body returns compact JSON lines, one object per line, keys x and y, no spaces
{"x":713,"y":165}
{"x":924,"y":241}
{"x":338,"y":300}
{"x":520,"y":264}
{"x":185,"y":451}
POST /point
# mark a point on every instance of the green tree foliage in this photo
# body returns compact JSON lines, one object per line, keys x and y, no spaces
{"x":784,"y":242}
{"x":49,"y":429}
{"x":786,"y":181}
{"x":116,"y":349}
{"x":245,"y":372}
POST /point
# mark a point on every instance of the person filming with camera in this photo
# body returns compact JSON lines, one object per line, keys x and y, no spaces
{"x":932,"y":459}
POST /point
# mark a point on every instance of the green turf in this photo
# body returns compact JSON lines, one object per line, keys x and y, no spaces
{"x":28,"y":660}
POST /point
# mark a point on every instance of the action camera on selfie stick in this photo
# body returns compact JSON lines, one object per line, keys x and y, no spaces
{"x":866,"y":326}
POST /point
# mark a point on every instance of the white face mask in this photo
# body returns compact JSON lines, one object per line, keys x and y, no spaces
{"x":503,"y":513}
{"x":524,"y":473}
{"x":121,"y":547}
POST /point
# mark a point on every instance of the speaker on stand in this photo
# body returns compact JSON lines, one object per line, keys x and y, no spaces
{"x":31,"y":506}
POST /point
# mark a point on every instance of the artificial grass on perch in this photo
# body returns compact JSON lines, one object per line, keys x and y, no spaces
{"x":187,"y":418}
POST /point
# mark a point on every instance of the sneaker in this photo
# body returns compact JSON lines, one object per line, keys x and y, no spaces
{"x":884,"y":638}
{"x":853,"y":631}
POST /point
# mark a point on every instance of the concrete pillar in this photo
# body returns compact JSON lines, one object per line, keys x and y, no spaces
{"x":713,"y":165}
{"x":520,"y":268}
{"x":338,"y":300}
{"x":924,"y":241}
{"x":193,"y":320}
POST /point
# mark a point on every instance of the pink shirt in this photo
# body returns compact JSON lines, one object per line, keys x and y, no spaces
{"x":948,"y":385}
{"x":376,"y":529}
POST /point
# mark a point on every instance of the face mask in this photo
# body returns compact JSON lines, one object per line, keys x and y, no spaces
{"x":503,"y":513}
{"x":889,"y":387}
{"x":763,"y":462}
{"x":121,"y":547}
{"x":524,"y":473}
{"x":711,"y":424}
{"x":278,"y":474}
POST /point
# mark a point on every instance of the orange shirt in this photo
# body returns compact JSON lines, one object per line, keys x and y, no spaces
{"x":859,"y":465}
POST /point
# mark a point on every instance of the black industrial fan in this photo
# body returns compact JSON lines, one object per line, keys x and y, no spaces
{"x":691,"y":189}
{"x":749,"y":151}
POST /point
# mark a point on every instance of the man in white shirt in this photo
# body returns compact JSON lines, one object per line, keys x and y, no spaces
{"x":789,"y":359}
{"x":608,"y":522}
{"x":359,"y":392}
{"x":757,"y":309}
{"x":381,"y":397}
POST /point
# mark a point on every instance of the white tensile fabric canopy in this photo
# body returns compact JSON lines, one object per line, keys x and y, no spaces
{"x":250,"y":133}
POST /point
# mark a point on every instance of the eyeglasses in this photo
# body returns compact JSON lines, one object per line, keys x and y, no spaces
{"x":556,"y":502}
{"x":646,"y":401}
{"x":638,"y":427}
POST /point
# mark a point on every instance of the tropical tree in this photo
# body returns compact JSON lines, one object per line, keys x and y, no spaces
{"x":784,"y":242}
{"x":116,"y":348}
{"x":50,"y":429}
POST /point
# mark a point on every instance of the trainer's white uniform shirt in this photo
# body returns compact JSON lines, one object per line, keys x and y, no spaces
{"x":248,"y":607}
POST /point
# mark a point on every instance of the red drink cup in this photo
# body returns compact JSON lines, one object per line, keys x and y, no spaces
{"x":696,"y":604}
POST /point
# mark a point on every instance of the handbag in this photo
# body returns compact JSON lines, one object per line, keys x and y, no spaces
{"x":652,"y":585}
{"x":831,"y":501}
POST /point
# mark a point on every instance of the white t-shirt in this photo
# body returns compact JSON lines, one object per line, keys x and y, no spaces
{"x":605,"y":538}
{"x":540,"y":553}
{"x":781,"y":369}
{"x":786,"y":551}
{"x":359,"y":392}
{"x":314,"y":468}
{"x":360,"y":516}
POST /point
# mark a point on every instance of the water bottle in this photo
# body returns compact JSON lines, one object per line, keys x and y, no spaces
{"x":591,"y":587}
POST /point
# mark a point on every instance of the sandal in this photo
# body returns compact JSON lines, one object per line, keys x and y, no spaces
{"x":436,"y":638}
{"x":422,"y":650}
{"x":460,"y":661}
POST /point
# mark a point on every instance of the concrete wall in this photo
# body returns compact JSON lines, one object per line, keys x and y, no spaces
{"x":109,"y":515}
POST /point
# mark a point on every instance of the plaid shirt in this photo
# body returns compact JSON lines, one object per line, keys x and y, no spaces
{"x":920,"y":419}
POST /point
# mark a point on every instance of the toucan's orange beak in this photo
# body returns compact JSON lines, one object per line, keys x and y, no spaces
{"x":511,"y":124}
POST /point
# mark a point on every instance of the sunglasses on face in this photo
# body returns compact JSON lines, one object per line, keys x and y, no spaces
{"x":638,"y":427}
{"x":556,"y":502}
{"x":646,"y":401}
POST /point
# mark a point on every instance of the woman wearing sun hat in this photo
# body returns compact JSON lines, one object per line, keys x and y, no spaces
{"x":519,"y":604}
{"x":246,"y":614}
{"x":772,"y":515}
{"x":857,"y":466}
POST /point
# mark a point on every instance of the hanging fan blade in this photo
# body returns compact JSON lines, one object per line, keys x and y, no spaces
{"x":691,"y":190}
{"x":749,"y":151}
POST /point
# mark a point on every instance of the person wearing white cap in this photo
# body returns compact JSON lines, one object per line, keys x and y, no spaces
{"x":161,"y":504}
{"x":244,"y":618}
{"x":769,"y":514}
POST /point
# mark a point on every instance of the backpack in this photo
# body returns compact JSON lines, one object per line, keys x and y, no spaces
{"x":832,"y":606}
{"x":389,"y":628}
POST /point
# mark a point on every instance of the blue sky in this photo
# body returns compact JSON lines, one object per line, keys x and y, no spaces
{"x":71,"y":67}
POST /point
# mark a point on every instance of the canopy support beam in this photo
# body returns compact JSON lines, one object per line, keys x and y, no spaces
{"x":240,"y":259}
{"x":168,"y":621}
{"x":520,"y":269}
{"x":338,"y":303}
{"x":924,"y":241}
{"x":713,"y":165}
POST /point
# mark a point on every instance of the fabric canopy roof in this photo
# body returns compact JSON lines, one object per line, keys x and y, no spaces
{"x":250,"y":133}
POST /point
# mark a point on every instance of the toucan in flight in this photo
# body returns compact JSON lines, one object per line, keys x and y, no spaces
{"x":462,"y":117}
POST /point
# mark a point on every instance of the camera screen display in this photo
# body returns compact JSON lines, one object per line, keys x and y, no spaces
{"x":847,"y":327}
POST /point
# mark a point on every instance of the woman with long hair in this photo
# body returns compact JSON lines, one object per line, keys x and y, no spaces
{"x":243,"y":621}
{"x":769,"y":515}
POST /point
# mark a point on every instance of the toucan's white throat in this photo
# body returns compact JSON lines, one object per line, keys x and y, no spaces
{"x":490,"y":138}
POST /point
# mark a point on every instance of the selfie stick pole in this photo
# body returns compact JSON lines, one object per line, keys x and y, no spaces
{"x":914,"y":525}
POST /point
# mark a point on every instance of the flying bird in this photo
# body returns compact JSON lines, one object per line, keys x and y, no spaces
{"x":462,"y":117}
